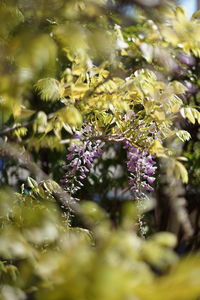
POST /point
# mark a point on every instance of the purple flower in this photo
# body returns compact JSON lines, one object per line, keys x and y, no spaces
{"x":80,"y":160}
{"x":191,"y":88}
{"x":150,"y":180}
{"x":186,"y":59}
{"x":141,"y":166}
{"x":150,"y":171}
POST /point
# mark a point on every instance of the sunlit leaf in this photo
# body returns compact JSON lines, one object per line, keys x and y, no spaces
{"x":48,"y":88}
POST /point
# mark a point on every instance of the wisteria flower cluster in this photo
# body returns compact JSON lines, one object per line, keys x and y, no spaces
{"x":141,"y":166}
{"x":82,"y":154}
{"x":86,"y":148}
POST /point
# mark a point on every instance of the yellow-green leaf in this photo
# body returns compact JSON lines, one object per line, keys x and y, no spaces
{"x":48,"y":88}
{"x":181,"y":172}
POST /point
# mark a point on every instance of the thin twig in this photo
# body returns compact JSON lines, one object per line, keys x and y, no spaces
{"x":7,"y":131}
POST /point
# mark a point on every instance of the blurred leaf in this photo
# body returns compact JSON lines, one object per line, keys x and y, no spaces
{"x":40,"y":123}
{"x":181,"y":172}
{"x":183,"y":135}
{"x":48,"y":88}
{"x":71,"y":116}
{"x":32,"y":183}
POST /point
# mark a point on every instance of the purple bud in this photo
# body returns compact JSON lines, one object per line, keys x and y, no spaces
{"x":191,"y":88}
{"x":150,"y":180}
{"x":150,"y":171}
{"x":65,"y":167}
{"x":70,"y":156}
{"x":63,"y":181}
{"x":186,"y":59}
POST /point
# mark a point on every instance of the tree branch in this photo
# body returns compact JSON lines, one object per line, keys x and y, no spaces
{"x":23,"y":157}
{"x":8,"y":130}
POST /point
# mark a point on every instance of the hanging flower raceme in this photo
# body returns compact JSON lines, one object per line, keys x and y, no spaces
{"x":82,"y":154}
{"x":141,"y":166}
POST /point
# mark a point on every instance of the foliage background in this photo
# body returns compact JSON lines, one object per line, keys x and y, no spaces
{"x":129,"y":70}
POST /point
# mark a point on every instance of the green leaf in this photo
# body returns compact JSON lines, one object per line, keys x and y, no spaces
{"x":166,"y":239}
{"x":71,"y":116}
{"x":40,"y":122}
{"x":147,"y":51}
{"x":32,"y":183}
{"x":51,"y":186}
{"x":183,"y":135}
{"x":179,"y":88}
{"x":181,"y":172}
{"x":48,"y":88}
{"x":191,"y":114}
